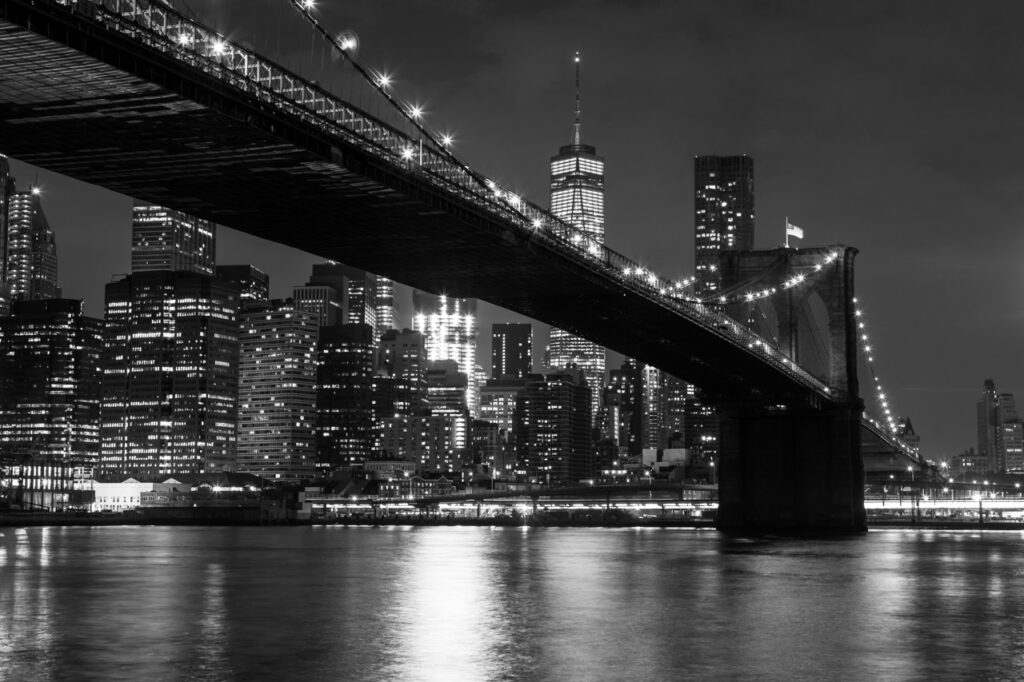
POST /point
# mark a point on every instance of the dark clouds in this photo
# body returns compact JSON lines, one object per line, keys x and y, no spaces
{"x":893,"y":127}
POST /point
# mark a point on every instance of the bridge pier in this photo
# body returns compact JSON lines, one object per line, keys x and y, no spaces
{"x":790,"y":470}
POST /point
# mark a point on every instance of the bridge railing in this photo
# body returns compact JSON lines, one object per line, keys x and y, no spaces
{"x":162,"y":28}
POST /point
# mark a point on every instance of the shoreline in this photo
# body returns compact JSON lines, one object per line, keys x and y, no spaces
{"x":46,"y":519}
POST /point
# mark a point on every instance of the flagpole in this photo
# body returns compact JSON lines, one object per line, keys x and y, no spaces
{"x":787,"y":232}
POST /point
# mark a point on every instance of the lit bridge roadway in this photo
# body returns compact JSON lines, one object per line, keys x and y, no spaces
{"x":134,"y":97}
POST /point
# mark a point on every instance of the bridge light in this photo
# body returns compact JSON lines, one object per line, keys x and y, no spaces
{"x":308,"y":4}
{"x":536,"y":222}
{"x":383,"y":80}
{"x":218,"y":47}
{"x":407,"y":153}
{"x":184,"y":40}
{"x":447,"y":139}
{"x":415,"y":111}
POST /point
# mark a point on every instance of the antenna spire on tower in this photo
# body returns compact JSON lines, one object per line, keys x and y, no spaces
{"x":577,"y":136}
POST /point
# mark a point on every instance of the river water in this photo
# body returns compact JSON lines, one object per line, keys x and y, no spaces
{"x":469,"y":603}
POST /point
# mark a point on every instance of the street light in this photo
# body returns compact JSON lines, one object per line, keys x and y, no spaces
{"x":911,"y":470}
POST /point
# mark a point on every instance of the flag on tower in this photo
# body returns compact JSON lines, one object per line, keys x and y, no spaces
{"x":793,"y":231}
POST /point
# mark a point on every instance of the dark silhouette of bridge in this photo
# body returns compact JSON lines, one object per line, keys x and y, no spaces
{"x":142,"y":100}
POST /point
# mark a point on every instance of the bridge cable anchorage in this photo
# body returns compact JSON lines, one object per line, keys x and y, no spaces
{"x":864,"y":344}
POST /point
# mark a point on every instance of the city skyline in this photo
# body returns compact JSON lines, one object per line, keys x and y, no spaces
{"x":840,"y":152}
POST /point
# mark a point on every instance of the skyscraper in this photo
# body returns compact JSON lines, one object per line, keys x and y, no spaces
{"x":50,"y":382}
{"x":448,"y":326}
{"x":31,"y":249}
{"x":990,"y":429}
{"x":385,"y":304}
{"x":6,"y":191}
{"x":277,"y":392}
{"x":577,"y":197}
{"x":340,"y":294}
{"x":170,"y":374}
{"x":552,"y":428}
{"x":344,"y":396}
{"x":165,"y":239}
{"x":511,"y":350}
{"x":723,"y":214}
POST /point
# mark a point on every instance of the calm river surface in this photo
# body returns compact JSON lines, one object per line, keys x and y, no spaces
{"x":451,"y":603}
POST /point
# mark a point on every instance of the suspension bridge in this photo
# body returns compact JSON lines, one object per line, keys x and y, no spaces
{"x":144,"y":100}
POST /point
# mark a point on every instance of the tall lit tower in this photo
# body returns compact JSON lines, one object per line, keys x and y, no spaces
{"x":31,"y":249}
{"x":577,"y":197}
{"x":449,"y":330}
{"x":6,"y":191}
{"x":723,"y":214}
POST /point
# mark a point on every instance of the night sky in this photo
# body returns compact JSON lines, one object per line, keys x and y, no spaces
{"x":894,"y":127}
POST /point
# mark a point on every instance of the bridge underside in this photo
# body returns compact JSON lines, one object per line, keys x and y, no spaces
{"x":95,"y":106}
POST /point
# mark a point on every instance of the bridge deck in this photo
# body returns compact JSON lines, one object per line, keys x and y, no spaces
{"x":106,"y":108}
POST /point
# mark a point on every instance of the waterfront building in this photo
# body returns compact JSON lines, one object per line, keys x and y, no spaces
{"x":449,"y":330}
{"x":723,"y":214}
{"x":344,"y":396}
{"x":50,"y":380}
{"x":511,"y":350}
{"x":277,"y":392}
{"x":253,"y":284}
{"x":552,"y":428}
{"x":577,"y":197}
{"x":428,"y":440}
{"x":164,"y":239}
{"x":170,"y":374}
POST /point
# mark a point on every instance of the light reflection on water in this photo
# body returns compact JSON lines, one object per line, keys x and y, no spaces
{"x":453,"y":603}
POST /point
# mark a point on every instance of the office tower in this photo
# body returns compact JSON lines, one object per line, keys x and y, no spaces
{"x":989,"y":431}
{"x":577,"y":197}
{"x":344,"y":396}
{"x":7,"y":189}
{"x":673,"y":404}
{"x":170,"y":374}
{"x":385,"y":304}
{"x":253,"y":284}
{"x":31,"y":249}
{"x":164,"y":239}
{"x":1012,"y":434}
{"x":448,"y":326}
{"x":429,"y":440}
{"x":340,"y":294}
{"x":552,"y":428}
{"x":701,"y":434}
{"x":50,"y":383}
{"x":402,"y":357}
{"x":723,"y":214}
{"x":446,"y":395}
{"x":623,"y":399}
{"x":511,"y":350}
{"x":651,"y":407}
{"x":277,"y":392}
{"x":498,"y":402}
